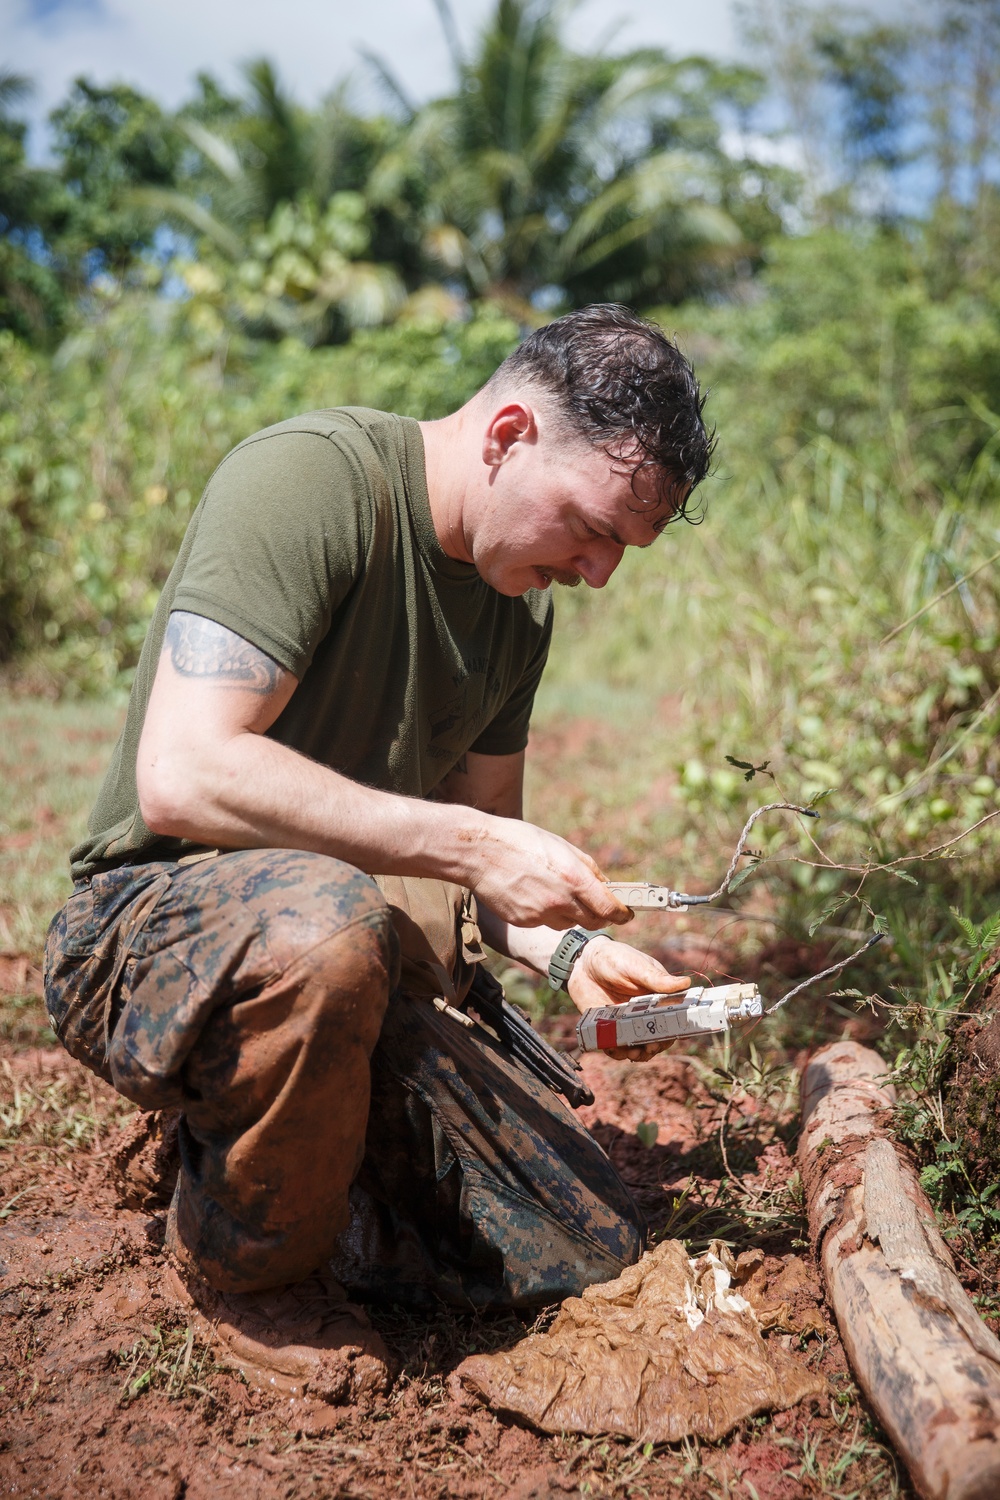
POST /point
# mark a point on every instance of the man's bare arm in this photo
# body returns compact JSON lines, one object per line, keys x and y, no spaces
{"x":206,"y":771}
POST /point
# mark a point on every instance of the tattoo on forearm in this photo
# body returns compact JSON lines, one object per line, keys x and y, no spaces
{"x":202,"y":648}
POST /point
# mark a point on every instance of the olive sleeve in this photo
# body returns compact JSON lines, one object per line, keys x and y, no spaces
{"x":281,"y":539}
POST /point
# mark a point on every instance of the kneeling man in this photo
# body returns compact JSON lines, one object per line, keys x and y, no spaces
{"x":313,"y":817}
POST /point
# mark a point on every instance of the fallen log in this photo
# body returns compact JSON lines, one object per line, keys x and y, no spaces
{"x":923,"y":1357}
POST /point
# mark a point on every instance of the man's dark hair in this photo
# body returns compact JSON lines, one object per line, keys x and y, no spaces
{"x":621,"y":384}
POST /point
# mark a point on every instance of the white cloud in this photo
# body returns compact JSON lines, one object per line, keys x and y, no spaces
{"x":159,"y":47}
{"x":769,"y":150}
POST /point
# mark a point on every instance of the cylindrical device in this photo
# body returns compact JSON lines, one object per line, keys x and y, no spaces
{"x":660,"y":1018}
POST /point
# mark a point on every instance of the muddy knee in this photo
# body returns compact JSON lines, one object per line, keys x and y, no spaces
{"x":276,"y":1102}
{"x":314,"y":903}
{"x":336,"y":961}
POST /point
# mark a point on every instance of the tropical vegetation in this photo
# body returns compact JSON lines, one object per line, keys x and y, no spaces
{"x":820,"y":232}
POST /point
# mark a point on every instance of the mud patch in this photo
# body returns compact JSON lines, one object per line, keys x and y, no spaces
{"x":36,"y":1252}
{"x":19,"y":975}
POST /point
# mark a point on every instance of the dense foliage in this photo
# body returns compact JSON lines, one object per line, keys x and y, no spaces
{"x":103,"y":452}
{"x":178,"y":280}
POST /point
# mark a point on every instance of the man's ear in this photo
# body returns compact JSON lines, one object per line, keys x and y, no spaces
{"x":510,"y":424}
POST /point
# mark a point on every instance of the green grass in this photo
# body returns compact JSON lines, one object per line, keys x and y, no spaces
{"x":52,"y":758}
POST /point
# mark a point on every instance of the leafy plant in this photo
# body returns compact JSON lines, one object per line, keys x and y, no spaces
{"x":982,"y":938}
{"x":947,"y":1182}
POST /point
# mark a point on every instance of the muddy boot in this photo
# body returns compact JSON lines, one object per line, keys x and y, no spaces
{"x":301,"y":1339}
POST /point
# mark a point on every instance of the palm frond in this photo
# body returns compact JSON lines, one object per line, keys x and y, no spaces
{"x":390,"y":83}
{"x":215,"y":149}
{"x":14,"y":88}
{"x":171,"y":204}
{"x":454,"y":42}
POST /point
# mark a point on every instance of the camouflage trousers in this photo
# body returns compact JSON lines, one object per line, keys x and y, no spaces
{"x":331,"y":1112}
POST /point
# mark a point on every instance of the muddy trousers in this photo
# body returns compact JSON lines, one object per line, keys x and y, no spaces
{"x":329,"y":1111}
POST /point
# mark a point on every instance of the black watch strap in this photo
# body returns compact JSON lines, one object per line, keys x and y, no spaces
{"x":568,"y":950}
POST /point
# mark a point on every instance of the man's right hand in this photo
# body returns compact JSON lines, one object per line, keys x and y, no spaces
{"x":532,"y":878}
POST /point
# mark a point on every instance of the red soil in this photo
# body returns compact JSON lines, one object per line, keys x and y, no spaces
{"x":105,"y":1392}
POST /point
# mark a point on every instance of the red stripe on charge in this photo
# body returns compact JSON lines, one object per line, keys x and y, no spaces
{"x":607,"y":1034}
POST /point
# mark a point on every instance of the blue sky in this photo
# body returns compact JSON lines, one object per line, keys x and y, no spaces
{"x":158,"y":47}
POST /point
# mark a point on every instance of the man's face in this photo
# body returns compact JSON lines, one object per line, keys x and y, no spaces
{"x":559,"y":510}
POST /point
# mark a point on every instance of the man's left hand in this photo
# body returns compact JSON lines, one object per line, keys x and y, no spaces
{"x":608,"y":973}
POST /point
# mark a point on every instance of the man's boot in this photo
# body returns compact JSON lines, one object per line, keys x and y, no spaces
{"x":297,"y":1340}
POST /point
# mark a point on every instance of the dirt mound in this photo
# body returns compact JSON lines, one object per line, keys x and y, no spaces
{"x":972,"y":1094}
{"x":143,"y":1160}
{"x":666,"y":1089}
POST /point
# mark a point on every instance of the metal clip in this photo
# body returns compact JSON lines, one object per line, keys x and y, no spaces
{"x":639,"y":895}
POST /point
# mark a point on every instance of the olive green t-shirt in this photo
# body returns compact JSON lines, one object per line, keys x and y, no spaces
{"x":314,"y":541}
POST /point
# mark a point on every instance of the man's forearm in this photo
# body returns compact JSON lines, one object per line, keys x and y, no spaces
{"x":207,"y":771}
{"x":253,"y":792}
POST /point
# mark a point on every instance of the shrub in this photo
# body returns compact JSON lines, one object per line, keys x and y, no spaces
{"x":105,"y":448}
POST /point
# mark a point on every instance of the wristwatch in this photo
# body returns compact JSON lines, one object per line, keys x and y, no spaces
{"x":568,"y":950}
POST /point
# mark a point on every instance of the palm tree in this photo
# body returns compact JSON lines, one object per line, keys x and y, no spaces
{"x":552,"y":176}
{"x":285,"y":241}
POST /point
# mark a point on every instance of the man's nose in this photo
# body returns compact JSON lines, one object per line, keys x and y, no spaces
{"x":600,"y":560}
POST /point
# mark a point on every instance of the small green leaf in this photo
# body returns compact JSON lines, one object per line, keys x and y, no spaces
{"x":747,"y":767}
{"x":967,"y":926}
{"x":647,"y":1131}
{"x":828,"y":911}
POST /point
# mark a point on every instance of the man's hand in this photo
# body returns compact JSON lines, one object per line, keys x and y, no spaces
{"x":533,"y":878}
{"x":609,"y":973}
{"x":527,"y":876}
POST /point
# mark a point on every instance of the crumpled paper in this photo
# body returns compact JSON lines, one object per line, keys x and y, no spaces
{"x":665,"y":1351}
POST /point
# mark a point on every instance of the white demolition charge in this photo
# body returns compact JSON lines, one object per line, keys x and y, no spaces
{"x":656,"y":1018}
